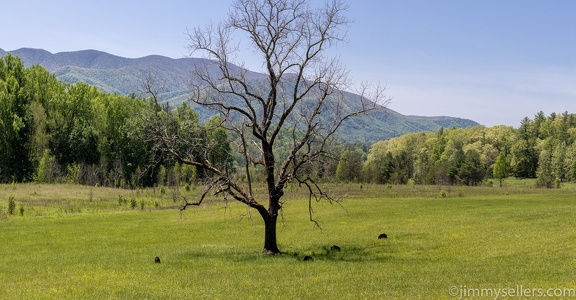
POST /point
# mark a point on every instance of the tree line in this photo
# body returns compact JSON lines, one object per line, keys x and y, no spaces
{"x":543,"y":147}
{"x":57,"y":132}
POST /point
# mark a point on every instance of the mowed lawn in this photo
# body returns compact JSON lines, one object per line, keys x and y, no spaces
{"x":89,"y":243}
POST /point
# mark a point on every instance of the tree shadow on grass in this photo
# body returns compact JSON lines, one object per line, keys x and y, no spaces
{"x":359,"y":253}
{"x":402,"y":246}
{"x":350,"y":253}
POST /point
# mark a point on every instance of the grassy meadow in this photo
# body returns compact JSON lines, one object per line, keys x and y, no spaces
{"x":78,"y":242}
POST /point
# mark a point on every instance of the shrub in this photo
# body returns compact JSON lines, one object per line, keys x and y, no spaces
{"x":11,"y":205}
{"x":22,"y":210}
{"x":175,"y":194}
{"x":73,"y":173}
{"x":443,"y":194}
{"x":133,"y":203}
{"x":46,"y":168}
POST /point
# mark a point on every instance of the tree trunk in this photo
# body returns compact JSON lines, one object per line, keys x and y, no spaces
{"x":270,"y":242}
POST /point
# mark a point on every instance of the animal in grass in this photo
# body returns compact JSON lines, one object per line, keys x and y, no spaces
{"x":307,"y":258}
{"x":383,"y":236}
{"x":335,"y":248}
{"x":157,"y":259}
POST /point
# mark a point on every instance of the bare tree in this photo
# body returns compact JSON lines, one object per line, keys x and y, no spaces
{"x":300,"y":95}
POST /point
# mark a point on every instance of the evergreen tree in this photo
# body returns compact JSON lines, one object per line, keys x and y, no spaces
{"x":471,"y":171}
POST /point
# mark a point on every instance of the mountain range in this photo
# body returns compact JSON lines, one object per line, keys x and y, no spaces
{"x":125,"y":76}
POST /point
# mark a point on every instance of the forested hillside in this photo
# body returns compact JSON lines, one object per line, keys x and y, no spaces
{"x":125,"y":76}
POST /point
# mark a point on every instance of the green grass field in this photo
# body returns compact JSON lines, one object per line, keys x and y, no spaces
{"x":75,"y":242}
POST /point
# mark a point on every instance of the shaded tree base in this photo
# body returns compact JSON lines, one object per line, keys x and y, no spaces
{"x":270,"y":252}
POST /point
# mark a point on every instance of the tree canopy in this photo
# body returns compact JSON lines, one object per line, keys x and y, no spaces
{"x":542,"y":147}
{"x":57,"y":132}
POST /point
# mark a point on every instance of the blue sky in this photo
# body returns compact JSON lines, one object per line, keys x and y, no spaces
{"x":495,"y":62}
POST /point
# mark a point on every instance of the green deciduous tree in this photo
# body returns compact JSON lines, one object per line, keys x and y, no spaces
{"x":16,"y":122}
{"x":545,"y":176}
{"x":349,"y":166}
{"x":501,"y":168}
{"x":47,"y":170}
{"x":218,"y":142}
{"x":559,"y":162}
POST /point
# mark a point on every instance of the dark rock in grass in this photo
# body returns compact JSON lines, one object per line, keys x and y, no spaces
{"x":307,"y":258}
{"x":335,"y":248}
{"x":157,"y":259}
{"x":383,"y":236}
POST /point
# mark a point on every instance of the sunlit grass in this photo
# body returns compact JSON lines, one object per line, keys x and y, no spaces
{"x":483,"y":237}
{"x":52,"y":199}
